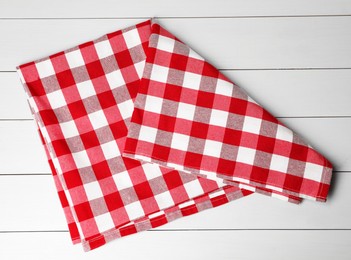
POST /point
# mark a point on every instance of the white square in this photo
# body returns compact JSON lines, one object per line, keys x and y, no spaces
{"x":122,"y":180}
{"x":86,"y":89}
{"x":74,"y":59}
{"x":132,"y":38}
{"x":126,"y":108}
{"x":313,"y":172}
{"x":252,"y":125}
{"x":219,"y":117}
{"x":192,"y":80}
{"x":98,"y":119}
{"x":139,"y":67}
{"x":81,"y":159}
{"x":165,"y":43}
{"x":180,"y":141}
{"x":159,"y":73}
{"x":193,"y":188}
{"x":93,"y":190}
{"x":151,"y":170}
{"x":186,"y":111}
{"x":246,"y":155}
{"x":224,"y":88}
{"x":115,"y":79}
{"x":193,"y":54}
{"x":104,"y":222}
{"x":147,"y":134}
{"x":213,"y":148}
{"x":284,"y":133}
{"x":69,"y":129}
{"x":45,"y":68}
{"x":110,"y":150}
{"x":153,"y":104}
{"x":103,"y":49}
{"x":279,"y":163}
{"x":134,"y":210}
{"x":164,"y":200}
{"x":56,"y":99}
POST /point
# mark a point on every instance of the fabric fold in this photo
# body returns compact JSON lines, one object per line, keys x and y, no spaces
{"x":190,"y":117}
{"x":82,"y":101}
{"x":140,"y":130}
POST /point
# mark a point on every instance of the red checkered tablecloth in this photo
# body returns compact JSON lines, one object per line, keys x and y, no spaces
{"x":82,"y":101}
{"x":140,"y":130}
{"x":188,"y":116}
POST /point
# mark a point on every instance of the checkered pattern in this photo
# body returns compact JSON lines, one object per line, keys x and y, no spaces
{"x":190,"y":117}
{"x":82,"y":101}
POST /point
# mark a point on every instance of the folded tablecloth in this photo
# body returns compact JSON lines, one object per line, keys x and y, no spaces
{"x":195,"y":140}
{"x":189,"y":116}
{"x":82,"y":101}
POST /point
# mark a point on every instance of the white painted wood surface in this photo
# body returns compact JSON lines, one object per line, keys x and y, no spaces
{"x":293,"y":57}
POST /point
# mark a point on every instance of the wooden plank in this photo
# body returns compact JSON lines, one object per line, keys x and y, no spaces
{"x":302,"y":245}
{"x":22,"y":151}
{"x":285,"y":93}
{"x":30,"y":203}
{"x":257,"y":43}
{"x":169,"y":8}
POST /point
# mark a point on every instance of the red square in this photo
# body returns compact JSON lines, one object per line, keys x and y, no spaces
{"x":72,"y":179}
{"x":113,"y":201}
{"x":36,"y":88}
{"x":106,"y":99}
{"x":172,"y":92}
{"x":29,"y":72}
{"x":158,"y":221}
{"x":48,"y":117}
{"x":119,"y":129}
{"x":205,"y":99}
{"x":265,"y":144}
{"x":298,"y":152}
{"x":124,"y":59}
{"x":160,"y":152}
{"x":83,"y":211}
{"x":199,"y":130}
{"x":292,"y":183}
{"x":143,"y":190}
{"x":60,"y":147}
{"x":238,"y":106}
{"x":178,"y":62}
{"x":173,"y":179}
{"x":128,"y":230}
{"x":232,"y":137}
{"x":193,"y":160}
{"x":166,"y":123}
{"x":101,"y":170}
{"x":259,"y":174}
{"x":77,"y":109}
{"x":225,"y":167}
{"x":65,"y":79}
{"x":95,"y":69}
{"x":90,"y":139}
{"x":209,"y":70}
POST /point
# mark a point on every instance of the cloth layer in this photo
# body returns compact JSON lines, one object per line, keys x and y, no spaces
{"x":140,"y":130}
{"x":189,"y":116}
{"x":82,"y":101}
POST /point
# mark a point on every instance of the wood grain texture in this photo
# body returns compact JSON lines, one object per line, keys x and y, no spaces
{"x":169,"y":8}
{"x":255,"y":43}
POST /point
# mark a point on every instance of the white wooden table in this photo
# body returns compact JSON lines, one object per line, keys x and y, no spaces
{"x":292,"y":56}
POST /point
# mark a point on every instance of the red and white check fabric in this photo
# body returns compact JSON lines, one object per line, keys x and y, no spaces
{"x":190,"y":117}
{"x":82,"y":101}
